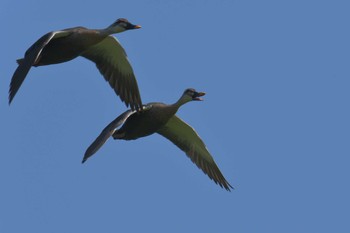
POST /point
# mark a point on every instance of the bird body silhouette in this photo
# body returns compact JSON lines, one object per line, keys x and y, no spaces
{"x":160,"y":118}
{"x":96,"y":45}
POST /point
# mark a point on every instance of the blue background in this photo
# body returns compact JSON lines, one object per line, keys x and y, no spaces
{"x":275,"y":118}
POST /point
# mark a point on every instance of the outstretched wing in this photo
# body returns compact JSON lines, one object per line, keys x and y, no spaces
{"x":30,"y":58}
{"x":112,"y":62}
{"x":106,"y":133}
{"x":186,"y":138}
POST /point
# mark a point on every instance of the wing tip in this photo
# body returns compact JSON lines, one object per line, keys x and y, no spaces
{"x":10,"y":99}
{"x":88,"y":154}
{"x":11,"y":92}
{"x":221,"y":181}
{"x":226,"y":185}
{"x":134,"y":105}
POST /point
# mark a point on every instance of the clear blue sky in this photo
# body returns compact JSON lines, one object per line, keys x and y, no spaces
{"x":275,"y":118}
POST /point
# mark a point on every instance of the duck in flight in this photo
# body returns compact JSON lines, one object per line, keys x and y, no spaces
{"x":160,"y":118}
{"x":97,"y":45}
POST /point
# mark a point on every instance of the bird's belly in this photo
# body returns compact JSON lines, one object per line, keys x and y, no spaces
{"x":135,"y":134}
{"x":136,"y":128}
{"x":55,"y":58}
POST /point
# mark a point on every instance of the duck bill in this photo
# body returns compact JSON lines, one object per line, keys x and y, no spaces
{"x":198,"y":95}
{"x":136,"y":27}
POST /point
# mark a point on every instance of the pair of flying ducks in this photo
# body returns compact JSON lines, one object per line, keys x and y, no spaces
{"x":99,"y":46}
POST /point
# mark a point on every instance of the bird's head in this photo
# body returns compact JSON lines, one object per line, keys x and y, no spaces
{"x":191,"y":94}
{"x":121,"y":25}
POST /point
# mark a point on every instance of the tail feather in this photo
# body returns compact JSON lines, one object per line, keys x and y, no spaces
{"x":20,"y":61}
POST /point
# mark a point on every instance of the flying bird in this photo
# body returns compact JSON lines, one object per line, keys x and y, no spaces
{"x":160,"y":118}
{"x":97,"y":45}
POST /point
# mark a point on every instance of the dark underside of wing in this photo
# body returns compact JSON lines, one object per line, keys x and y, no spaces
{"x":105,"y":134}
{"x":26,"y":63}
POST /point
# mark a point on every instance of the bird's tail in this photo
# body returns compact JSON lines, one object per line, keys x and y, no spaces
{"x":20,"y":61}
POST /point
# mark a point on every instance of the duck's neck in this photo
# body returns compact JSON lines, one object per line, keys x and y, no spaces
{"x":180,"y":102}
{"x":111,"y":30}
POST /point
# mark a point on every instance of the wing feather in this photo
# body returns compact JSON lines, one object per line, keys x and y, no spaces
{"x":31,"y":57}
{"x":186,"y":138}
{"x":112,"y":62}
{"x":106,"y":133}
